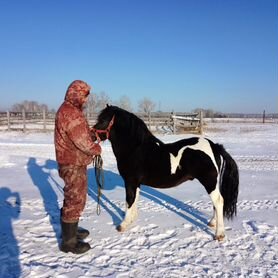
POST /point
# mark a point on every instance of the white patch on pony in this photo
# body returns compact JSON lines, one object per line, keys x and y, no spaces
{"x":202,"y":145}
{"x":131,"y":213}
{"x":157,"y":144}
{"x":175,"y":160}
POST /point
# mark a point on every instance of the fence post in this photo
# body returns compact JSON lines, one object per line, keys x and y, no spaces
{"x":201,"y":122}
{"x":9,"y":120}
{"x":264,"y":117}
{"x":174,"y":123}
{"x":149,"y":119}
{"x":24,"y":120}
{"x":44,"y":119}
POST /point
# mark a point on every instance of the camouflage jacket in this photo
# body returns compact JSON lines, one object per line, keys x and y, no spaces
{"x":73,"y":142}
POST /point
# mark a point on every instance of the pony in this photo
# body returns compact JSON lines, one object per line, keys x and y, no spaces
{"x":144,"y":159}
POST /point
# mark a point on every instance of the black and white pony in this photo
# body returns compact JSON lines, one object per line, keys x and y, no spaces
{"x":144,"y":159}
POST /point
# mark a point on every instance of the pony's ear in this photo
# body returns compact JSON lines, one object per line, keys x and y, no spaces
{"x":107,"y":105}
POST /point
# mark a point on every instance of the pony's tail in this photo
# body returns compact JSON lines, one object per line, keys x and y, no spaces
{"x":229,"y":181}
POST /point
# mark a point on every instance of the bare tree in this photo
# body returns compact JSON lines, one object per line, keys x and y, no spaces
{"x":208,"y":113}
{"x":102,"y":100}
{"x":29,"y":106}
{"x":125,"y":103}
{"x":17,"y":107}
{"x":91,"y":105}
{"x":146,"y":106}
{"x":97,"y":102}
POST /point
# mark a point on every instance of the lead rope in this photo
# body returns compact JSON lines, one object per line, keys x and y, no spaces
{"x":98,"y":162}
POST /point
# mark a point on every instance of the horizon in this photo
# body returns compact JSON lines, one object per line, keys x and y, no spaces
{"x":182,"y":55}
{"x":216,"y":114}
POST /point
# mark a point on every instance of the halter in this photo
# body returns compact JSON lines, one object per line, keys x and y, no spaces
{"x":106,"y":131}
{"x":98,"y":161}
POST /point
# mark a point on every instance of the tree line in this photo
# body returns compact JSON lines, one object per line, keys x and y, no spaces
{"x":98,"y":101}
{"x":30,"y":106}
{"x":95,"y":103}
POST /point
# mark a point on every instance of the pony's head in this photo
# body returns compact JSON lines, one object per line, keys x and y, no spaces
{"x":116,"y":123}
{"x":105,"y":121}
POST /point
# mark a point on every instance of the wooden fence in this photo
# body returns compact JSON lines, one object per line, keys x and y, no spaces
{"x":163,"y":122}
{"x":24,"y":121}
{"x":157,"y":122}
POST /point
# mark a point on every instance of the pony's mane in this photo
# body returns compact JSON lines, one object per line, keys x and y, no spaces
{"x":132,"y":126}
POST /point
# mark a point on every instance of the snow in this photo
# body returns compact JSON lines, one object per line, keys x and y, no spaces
{"x":170,"y":238}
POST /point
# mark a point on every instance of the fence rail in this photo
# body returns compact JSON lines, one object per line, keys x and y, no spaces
{"x":162,"y":122}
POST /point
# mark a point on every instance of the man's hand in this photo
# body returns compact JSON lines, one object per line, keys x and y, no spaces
{"x":93,"y":135}
{"x":97,"y":149}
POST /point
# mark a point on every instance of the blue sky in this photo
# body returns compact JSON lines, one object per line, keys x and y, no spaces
{"x":221,"y":55}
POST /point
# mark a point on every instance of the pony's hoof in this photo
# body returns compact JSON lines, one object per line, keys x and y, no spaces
{"x":120,"y":229}
{"x":219,"y":237}
{"x":212,"y":225}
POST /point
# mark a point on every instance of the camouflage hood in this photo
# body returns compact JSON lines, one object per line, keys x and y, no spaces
{"x":76,"y":93}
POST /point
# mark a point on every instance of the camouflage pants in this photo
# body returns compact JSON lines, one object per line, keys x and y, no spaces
{"x":75,"y":191}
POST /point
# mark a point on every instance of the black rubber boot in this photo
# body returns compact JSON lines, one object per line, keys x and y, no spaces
{"x":70,"y":243}
{"x":81,"y":232}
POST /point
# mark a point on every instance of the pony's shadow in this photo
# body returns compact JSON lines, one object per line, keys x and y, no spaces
{"x":189,"y":213}
{"x":41,"y":179}
{"x":10,"y":204}
{"x":113,"y":180}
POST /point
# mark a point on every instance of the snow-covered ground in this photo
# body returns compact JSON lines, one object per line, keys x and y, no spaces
{"x":170,"y":237}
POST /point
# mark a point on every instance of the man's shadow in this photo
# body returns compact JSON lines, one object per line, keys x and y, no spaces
{"x":113,"y":180}
{"x":41,"y":179}
{"x":9,"y":209}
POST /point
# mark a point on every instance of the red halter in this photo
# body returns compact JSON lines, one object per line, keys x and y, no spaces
{"x":106,"y":131}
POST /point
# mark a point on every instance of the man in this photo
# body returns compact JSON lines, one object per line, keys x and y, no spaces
{"x":74,"y":151}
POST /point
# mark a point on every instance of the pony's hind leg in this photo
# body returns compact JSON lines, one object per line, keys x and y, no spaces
{"x":211,"y":184}
{"x":212,"y":222}
{"x":217,"y":219}
{"x":132,"y":196}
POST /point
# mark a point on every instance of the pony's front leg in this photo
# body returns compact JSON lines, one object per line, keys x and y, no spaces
{"x":132,"y":196}
{"x":218,"y":204}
